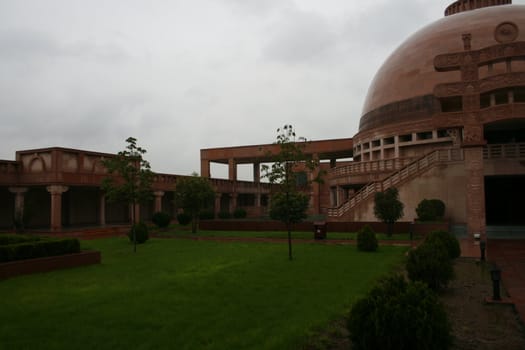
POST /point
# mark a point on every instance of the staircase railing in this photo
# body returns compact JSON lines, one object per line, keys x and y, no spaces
{"x":404,"y":174}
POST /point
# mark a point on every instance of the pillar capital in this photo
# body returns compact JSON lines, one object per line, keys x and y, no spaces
{"x":158,"y":193}
{"x":57,"y":189}
{"x":18,"y":190}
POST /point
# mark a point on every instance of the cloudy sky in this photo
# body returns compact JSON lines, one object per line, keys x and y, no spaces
{"x":181,"y":75}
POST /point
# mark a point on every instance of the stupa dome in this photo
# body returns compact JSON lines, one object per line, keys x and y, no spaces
{"x":402,"y":89}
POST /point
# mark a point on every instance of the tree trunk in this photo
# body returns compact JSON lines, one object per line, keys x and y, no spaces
{"x":194,"y":223}
{"x":289,"y":227}
{"x":390,"y":229}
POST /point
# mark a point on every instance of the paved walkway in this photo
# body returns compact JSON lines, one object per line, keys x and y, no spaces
{"x":509,"y":256}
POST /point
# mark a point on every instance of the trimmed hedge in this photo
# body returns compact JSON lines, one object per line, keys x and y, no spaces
{"x":141,"y":233}
{"x":16,"y":238}
{"x":431,"y":264}
{"x":161,"y":219}
{"x":366,"y":239}
{"x":239,"y":213}
{"x":39,"y":249}
{"x":183,"y":218}
{"x":430,"y":210}
{"x":399,"y":315}
{"x":448,"y":240}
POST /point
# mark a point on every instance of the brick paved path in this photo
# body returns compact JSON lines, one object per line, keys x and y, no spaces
{"x":509,"y":256}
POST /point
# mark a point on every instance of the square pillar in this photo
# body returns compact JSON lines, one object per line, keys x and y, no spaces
{"x":56,"y":206}
{"x":158,"y":200}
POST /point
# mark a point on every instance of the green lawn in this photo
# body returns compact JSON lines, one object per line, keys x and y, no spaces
{"x":183,"y":294}
{"x":279,"y":234}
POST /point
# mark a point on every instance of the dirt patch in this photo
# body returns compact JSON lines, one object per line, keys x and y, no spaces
{"x":476,"y":325}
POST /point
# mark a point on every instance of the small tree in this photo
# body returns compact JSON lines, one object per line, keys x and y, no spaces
{"x":129,"y":179}
{"x":193,"y":194}
{"x":289,"y":204}
{"x":388,"y":208}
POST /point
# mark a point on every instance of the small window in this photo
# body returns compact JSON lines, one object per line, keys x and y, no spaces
{"x":452,"y":104}
{"x":427,"y":135}
{"x":519,"y":94}
{"x":405,"y":138}
{"x":389,"y":141}
{"x":484,"y":101}
{"x":501,"y":97}
{"x":376,"y":143}
{"x":442,"y":133}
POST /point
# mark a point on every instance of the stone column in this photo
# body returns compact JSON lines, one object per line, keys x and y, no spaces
{"x":19,"y":202}
{"x":205,"y":168}
{"x":56,"y":206}
{"x":158,"y":200}
{"x":256,"y":172}
{"x":217,"y":203}
{"x":233,"y":202}
{"x":232,"y":170}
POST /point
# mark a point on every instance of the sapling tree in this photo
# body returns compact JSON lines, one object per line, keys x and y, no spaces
{"x":129,"y":179}
{"x":388,"y":208}
{"x":288,"y":169}
{"x":193,"y":194}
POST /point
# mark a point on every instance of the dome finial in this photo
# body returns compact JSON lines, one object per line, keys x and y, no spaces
{"x":467,"y":5}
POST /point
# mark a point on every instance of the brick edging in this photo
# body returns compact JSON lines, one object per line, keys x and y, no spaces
{"x":50,"y":263}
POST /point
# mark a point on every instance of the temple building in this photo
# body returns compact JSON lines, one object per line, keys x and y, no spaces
{"x":444,"y":118}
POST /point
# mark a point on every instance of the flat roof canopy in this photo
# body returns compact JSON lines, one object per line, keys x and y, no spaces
{"x":325,"y":150}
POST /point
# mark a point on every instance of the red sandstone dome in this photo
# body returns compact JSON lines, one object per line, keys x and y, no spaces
{"x":409,"y":76}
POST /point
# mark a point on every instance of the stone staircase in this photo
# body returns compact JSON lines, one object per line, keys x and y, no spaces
{"x":398,"y":177}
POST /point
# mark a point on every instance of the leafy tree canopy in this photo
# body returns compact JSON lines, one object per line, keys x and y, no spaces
{"x":387,"y":207}
{"x":193,"y":194}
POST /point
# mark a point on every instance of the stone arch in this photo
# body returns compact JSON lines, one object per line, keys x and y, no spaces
{"x":37,"y":164}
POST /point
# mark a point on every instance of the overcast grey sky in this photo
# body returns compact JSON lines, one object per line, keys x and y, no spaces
{"x":182,"y":75}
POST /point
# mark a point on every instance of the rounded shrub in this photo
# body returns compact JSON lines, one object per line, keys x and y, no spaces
{"x":141,"y":232}
{"x":239,"y":213}
{"x":207,"y":215}
{"x":224,"y":215}
{"x":183,"y":218}
{"x":161,"y":219}
{"x":430,"y":263}
{"x":449,"y":241}
{"x":430,"y":210}
{"x":366,"y":239}
{"x":399,"y":315}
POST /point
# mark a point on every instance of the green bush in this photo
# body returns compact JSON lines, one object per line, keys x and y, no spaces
{"x":141,"y":233}
{"x":224,"y":215}
{"x":183,"y":219}
{"x":239,"y":213}
{"x":38,"y":249}
{"x":430,"y":210}
{"x":366,"y":239}
{"x":161,"y":219}
{"x":399,"y":315}
{"x":430,"y":263}
{"x":8,"y":238}
{"x":449,"y":241}
{"x":207,"y":215}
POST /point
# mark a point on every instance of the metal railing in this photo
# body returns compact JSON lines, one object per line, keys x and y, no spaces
{"x":505,"y":150}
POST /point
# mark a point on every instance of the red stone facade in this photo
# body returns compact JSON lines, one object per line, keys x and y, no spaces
{"x":444,"y":118}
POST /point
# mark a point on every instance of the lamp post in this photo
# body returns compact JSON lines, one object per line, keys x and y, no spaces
{"x":495,"y":275}
{"x":482,"y":247}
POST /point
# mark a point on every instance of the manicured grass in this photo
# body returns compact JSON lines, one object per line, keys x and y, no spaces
{"x":280,"y":234}
{"x":183,"y":294}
